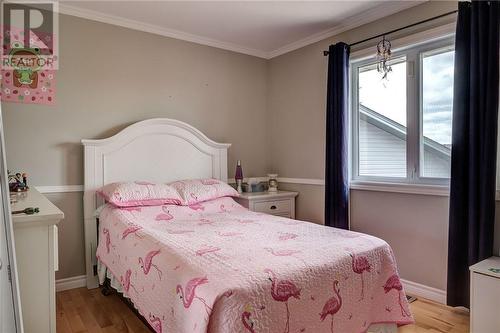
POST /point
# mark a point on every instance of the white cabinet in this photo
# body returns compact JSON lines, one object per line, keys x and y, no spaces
{"x":281,"y":203}
{"x":485,"y":296}
{"x":37,"y":260}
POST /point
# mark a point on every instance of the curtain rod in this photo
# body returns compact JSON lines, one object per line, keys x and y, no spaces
{"x":325,"y":53}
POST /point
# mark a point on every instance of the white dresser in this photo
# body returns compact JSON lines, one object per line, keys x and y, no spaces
{"x":485,"y":296}
{"x":281,"y":203}
{"x":37,"y":261}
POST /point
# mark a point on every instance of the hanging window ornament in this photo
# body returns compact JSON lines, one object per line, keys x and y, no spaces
{"x":383,"y":56}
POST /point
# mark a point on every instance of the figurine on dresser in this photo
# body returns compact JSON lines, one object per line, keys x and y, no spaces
{"x":18,"y":182}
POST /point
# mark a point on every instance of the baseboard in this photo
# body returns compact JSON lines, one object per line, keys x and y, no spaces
{"x":420,"y":290}
{"x":71,"y":283}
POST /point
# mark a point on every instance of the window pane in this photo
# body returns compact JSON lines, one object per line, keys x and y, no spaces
{"x":382,"y":121}
{"x":437,"y":105}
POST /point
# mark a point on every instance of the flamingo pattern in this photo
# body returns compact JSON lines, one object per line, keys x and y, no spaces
{"x":188,"y":294}
{"x":207,"y":249}
{"x":131,"y":230}
{"x":394,"y":283}
{"x":202,"y":190}
{"x":105,"y":231}
{"x":126,"y":283}
{"x":282,"y":252}
{"x":147,"y":263}
{"x":257,"y":282}
{"x":333,"y":305}
{"x":210,"y":182}
{"x":248,"y":323}
{"x":196,"y":206}
{"x":155,"y":323}
{"x":165,"y":216}
{"x":129,"y":196}
{"x":360,"y":265}
{"x":204,"y":221}
{"x":281,"y":291}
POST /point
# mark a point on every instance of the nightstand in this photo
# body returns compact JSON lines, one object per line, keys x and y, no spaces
{"x":37,"y":260}
{"x":281,"y":203}
{"x":485,"y":296}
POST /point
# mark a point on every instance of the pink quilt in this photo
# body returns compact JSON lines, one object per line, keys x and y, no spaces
{"x":217,"y":267}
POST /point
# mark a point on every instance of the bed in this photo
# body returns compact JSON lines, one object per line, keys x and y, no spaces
{"x":218,"y":267}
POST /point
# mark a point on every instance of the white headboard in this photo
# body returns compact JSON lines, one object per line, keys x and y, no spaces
{"x":156,"y":150}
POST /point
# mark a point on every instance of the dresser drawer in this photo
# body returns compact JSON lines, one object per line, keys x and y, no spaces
{"x":273,"y":207}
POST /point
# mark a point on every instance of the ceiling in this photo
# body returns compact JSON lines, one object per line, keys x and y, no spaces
{"x":260,"y":28}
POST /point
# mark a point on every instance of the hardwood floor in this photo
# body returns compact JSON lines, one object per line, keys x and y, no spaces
{"x":88,"y":311}
{"x":434,"y":317}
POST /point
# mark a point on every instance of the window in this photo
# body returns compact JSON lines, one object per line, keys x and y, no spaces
{"x":402,"y":125}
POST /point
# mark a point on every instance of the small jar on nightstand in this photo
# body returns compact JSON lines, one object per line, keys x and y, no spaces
{"x":280,"y":203}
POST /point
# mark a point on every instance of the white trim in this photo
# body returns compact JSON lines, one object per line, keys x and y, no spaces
{"x":400,"y":188}
{"x":303,"y":181}
{"x":365,"y":186}
{"x":420,"y":290}
{"x":59,"y":188}
{"x":245,"y":179}
{"x":73,"y":282}
{"x":382,"y":10}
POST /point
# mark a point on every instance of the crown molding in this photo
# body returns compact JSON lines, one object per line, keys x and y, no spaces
{"x":157,"y":30}
{"x":352,"y":22}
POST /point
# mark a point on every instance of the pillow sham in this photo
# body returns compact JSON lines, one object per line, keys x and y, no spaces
{"x":139,"y":193}
{"x":193,"y":191}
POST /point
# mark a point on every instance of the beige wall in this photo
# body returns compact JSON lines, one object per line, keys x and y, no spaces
{"x":111,"y":77}
{"x":414,"y":225}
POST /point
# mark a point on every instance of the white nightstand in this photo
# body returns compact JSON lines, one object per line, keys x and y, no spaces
{"x":37,"y":261}
{"x":281,"y":203}
{"x":485,"y":296}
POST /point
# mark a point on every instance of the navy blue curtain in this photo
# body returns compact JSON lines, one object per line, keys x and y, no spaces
{"x":474,"y":144}
{"x":336,"y":170}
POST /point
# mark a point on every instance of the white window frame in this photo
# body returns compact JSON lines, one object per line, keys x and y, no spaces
{"x":413,"y":183}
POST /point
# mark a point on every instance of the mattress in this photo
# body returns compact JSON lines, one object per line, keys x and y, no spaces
{"x":217,"y":267}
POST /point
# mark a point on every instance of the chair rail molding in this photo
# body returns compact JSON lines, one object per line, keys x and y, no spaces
{"x":400,"y":188}
{"x":59,"y":188}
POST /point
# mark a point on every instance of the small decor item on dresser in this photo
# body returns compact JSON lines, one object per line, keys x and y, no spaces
{"x":27,"y":211}
{"x":273,"y":182}
{"x":251,"y":184}
{"x":18,"y":182}
{"x":239,"y":177}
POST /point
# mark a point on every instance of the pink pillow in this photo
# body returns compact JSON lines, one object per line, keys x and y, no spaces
{"x":198,"y":190}
{"x":129,"y":194}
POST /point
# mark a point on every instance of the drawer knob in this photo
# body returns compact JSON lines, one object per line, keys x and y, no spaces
{"x":273,"y":207}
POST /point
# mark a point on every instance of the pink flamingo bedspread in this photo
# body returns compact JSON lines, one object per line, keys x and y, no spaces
{"x":217,"y":267}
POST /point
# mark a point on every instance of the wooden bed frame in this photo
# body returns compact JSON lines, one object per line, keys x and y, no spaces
{"x":156,"y":150}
